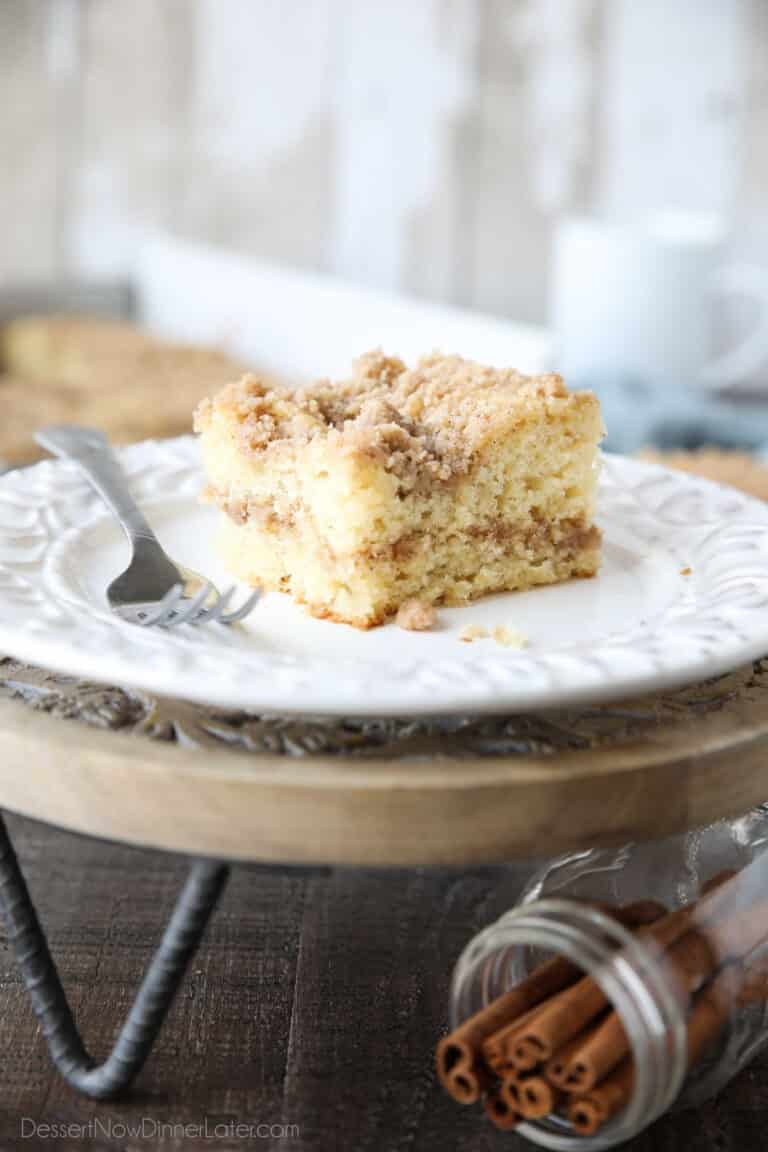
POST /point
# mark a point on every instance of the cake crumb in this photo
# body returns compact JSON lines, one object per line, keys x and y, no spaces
{"x":509,"y":637}
{"x":473,"y":632}
{"x":685,"y":571}
{"x":416,"y":616}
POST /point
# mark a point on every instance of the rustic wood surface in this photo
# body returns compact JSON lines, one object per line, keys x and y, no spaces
{"x":314,"y":1002}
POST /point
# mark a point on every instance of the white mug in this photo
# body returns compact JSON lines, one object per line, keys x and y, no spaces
{"x":639,"y":303}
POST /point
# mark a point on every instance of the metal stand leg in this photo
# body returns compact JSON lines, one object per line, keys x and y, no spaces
{"x":181,"y":938}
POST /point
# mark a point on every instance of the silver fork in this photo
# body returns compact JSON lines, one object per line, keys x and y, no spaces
{"x":153,"y":589}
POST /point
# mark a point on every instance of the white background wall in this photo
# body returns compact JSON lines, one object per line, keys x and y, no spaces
{"x":417,"y":145}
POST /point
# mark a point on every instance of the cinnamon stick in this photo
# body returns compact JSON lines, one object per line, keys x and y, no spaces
{"x":670,"y":928}
{"x":556,"y":1068}
{"x":532,"y":1096}
{"x":563,"y":1017}
{"x":717,"y":881}
{"x":497,"y":1048}
{"x":740,"y":933}
{"x":562,"y":1020}
{"x":558,"y":1022}
{"x":727,"y":892}
{"x":734,"y":984}
{"x":710,"y":1012}
{"x":459,"y":1057}
{"x":604,"y":1047}
{"x":691,"y":960}
{"x":588,"y":1113}
{"x":694,"y":956}
{"x":499,"y":1112}
{"x":467,"y":1084}
{"x":639,"y":913}
{"x":566,"y":1014}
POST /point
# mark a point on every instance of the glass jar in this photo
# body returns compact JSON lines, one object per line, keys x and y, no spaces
{"x":652,"y":977}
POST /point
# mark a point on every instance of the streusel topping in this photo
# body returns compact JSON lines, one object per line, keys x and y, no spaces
{"x":421,"y":421}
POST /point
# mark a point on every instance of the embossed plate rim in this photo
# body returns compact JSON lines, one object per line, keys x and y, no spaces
{"x":719,"y":622}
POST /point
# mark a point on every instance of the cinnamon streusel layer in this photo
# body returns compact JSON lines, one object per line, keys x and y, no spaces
{"x":439,"y":483}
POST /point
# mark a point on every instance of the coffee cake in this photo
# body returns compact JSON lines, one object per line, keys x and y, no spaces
{"x":440,"y":483}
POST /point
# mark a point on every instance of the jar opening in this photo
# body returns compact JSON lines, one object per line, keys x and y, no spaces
{"x":627,"y":974}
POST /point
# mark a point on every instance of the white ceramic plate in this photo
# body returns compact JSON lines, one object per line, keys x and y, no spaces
{"x":640,"y":625}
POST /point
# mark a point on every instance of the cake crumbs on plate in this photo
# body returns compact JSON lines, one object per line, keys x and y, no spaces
{"x":503,"y":634}
{"x":473,"y":632}
{"x":416,"y":616}
{"x":509,"y":637}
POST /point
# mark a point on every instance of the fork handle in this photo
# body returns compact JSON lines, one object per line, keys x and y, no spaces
{"x":90,"y":448}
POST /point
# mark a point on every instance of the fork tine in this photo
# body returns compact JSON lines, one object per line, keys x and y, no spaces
{"x":164,"y":609}
{"x":243,"y":610}
{"x":216,"y":612}
{"x":167,"y":613}
{"x":194,"y":609}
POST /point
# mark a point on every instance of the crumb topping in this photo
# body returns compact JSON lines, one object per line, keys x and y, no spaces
{"x":423,"y":421}
{"x":416,"y":616}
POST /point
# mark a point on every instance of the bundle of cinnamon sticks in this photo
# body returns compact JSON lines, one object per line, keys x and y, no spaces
{"x":554,"y":1044}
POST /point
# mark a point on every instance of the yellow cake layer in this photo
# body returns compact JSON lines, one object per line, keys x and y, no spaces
{"x":363,"y":590}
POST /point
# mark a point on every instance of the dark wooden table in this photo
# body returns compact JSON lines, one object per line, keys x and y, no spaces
{"x":309,"y":1016}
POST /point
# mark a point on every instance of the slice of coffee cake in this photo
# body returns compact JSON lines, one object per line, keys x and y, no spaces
{"x":443,"y":482}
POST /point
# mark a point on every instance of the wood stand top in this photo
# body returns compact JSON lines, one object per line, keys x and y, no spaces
{"x":469,"y":790}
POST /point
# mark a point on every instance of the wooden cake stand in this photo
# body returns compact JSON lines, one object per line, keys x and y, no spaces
{"x":176,"y":776}
{"x":225,"y":786}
